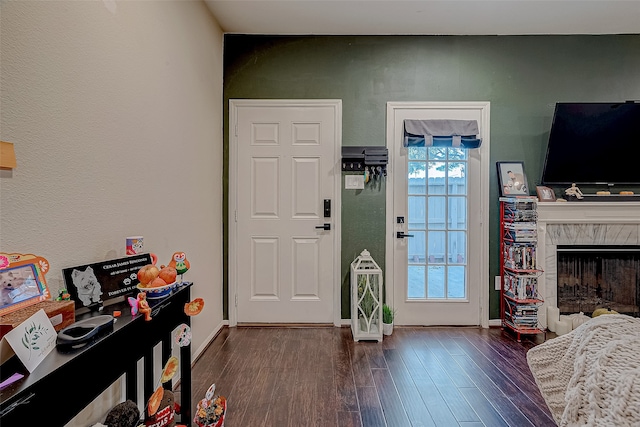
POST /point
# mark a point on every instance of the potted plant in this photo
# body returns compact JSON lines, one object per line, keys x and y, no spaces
{"x":388,"y":314}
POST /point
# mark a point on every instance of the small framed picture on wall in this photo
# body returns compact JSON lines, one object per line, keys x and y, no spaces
{"x":545,"y":194}
{"x":512,"y":179}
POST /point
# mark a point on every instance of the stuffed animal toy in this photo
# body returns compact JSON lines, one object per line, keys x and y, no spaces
{"x":166,"y":414}
{"x":125,"y":414}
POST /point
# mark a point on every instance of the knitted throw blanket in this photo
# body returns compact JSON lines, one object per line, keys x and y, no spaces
{"x":591,"y":376}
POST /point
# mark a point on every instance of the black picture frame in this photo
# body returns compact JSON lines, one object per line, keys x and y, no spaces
{"x":512,"y":179}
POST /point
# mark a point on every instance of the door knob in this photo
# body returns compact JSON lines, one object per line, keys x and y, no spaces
{"x":401,"y":235}
{"x":325,"y":226}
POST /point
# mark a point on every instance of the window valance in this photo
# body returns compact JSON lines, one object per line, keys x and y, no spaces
{"x":441,"y":133}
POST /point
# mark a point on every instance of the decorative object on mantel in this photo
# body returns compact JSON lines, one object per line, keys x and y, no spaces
{"x":7,"y":155}
{"x":545,"y":194}
{"x":574,"y":191}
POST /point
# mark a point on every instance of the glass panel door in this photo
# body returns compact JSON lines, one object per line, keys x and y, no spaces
{"x":437,"y":264}
{"x":437,"y":220}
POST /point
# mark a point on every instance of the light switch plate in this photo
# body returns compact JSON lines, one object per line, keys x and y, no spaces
{"x":354,"y":182}
{"x":497,"y":283}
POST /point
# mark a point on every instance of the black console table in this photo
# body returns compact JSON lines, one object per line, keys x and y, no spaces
{"x":65,"y":383}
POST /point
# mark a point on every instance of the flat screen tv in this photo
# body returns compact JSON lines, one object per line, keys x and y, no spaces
{"x":593,"y":143}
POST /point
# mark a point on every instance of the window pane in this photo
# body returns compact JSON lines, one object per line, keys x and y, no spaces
{"x":436,"y":177}
{"x":457,"y":213}
{"x":457,"y":179}
{"x":437,"y":218}
{"x":457,"y":247}
{"x":457,"y":154}
{"x":437,"y":213}
{"x":416,"y":177}
{"x":417,"y":247}
{"x":436,"y":246}
{"x":437,"y":153}
{"x":455,"y":282}
{"x":417,"y":212}
{"x":417,"y":153}
{"x":416,"y":288}
{"x":436,"y":282}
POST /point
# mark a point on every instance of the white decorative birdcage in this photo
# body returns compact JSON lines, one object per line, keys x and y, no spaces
{"x":366,"y":298}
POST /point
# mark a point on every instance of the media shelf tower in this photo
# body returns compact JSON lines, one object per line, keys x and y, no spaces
{"x":519,"y":296}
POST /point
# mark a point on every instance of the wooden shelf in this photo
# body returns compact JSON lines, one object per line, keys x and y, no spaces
{"x":7,"y":155}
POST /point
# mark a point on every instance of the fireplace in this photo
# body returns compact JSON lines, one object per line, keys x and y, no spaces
{"x":596,"y":225}
{"x":601,"y":276}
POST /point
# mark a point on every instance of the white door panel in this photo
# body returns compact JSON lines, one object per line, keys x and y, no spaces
{"x":283,"y":164}
{"x":439,"y":275}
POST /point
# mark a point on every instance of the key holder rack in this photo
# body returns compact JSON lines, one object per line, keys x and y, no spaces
{"x":359,"y":158}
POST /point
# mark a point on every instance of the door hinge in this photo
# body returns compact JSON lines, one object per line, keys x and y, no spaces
{"x":235,"y":214}
{"x":235,"y":131}
{"x":236,"y":300}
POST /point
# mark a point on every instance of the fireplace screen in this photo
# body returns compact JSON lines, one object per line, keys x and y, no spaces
{"x":592,"y":277}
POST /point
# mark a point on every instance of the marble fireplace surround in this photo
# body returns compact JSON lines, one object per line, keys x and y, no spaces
{"x":579,"y":223}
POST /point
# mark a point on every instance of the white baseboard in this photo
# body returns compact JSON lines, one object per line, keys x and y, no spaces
{"x":210,"y":338}
{"x":492,"y":322}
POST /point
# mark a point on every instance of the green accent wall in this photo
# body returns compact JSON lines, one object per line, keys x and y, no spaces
{"x":522,"y":76}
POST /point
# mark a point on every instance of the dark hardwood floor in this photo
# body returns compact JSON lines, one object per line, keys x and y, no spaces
{"x":430,"y":376}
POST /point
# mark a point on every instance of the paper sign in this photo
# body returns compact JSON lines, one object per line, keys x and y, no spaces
{"x":33,"y":339}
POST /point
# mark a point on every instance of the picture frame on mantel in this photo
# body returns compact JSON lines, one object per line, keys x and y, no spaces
{"x":545,"y":194}
{"x":512,"y":179}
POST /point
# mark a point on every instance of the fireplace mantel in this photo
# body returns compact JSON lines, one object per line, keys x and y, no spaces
{"x":579,"y":223}
{"x":589,"y":212}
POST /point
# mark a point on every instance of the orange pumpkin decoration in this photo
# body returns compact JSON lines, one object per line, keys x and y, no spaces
{"x":194,"y":307}
{"x":170,"y":369}
{"x":154,"y":401}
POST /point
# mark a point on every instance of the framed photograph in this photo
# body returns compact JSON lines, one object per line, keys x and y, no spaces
{"x":512,"y":179}
{"x":22,"y":281}
{"x":545,"y":194}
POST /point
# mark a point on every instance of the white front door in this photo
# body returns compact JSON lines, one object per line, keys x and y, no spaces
{"x":439,"y":199}
{"x":284,"y":171}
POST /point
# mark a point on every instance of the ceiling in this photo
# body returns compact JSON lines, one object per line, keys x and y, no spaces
{"x":427,"y":17}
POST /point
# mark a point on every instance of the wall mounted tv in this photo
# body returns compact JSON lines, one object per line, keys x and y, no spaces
{"x":593,"y":143}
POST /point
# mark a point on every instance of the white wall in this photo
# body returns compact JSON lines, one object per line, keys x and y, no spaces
{"x":115,"y":110}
